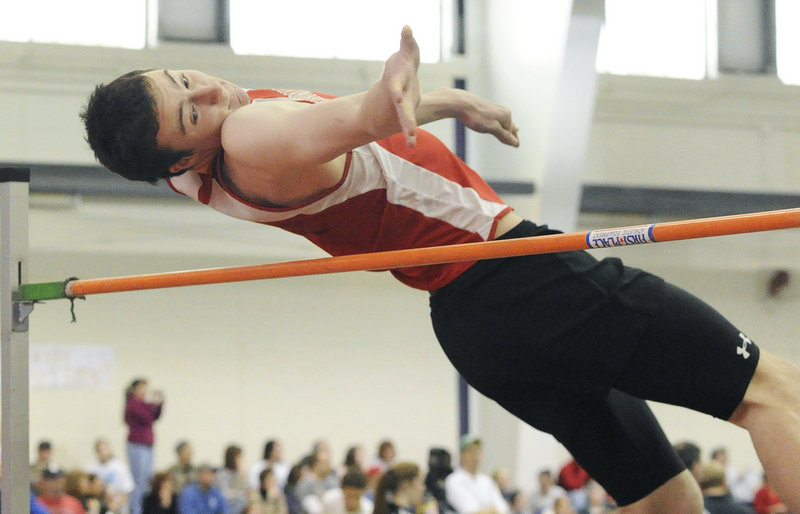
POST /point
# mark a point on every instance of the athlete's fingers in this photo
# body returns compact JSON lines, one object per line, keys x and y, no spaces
{"x":506,"y":135}
{"x":408,"y":120}
{"x":408,"y":45}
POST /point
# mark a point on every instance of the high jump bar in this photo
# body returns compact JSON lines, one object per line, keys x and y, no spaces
{"x":604,"y":238}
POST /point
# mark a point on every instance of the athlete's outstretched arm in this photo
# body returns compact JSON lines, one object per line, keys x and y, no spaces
{"x":475,"y":112}
{"x":287,"y":136}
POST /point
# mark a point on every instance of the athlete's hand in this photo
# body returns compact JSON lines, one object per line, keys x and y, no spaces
{"x":400,"y":79}
{"x":487,"y":117}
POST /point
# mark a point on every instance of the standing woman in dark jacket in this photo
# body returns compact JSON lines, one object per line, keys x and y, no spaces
{"x":139,"y":416}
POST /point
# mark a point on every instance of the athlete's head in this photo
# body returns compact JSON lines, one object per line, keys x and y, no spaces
{"x":121,"y":127}
{"x":148,"y":125}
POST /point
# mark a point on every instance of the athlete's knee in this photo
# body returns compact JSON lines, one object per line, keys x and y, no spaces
{"x":775,"y":384}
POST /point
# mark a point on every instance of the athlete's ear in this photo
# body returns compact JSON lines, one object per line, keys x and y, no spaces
{"x":184,"y":164}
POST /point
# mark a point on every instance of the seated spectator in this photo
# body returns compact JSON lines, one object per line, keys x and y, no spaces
{"x":162,"y":498}
{"x":468,"y":490}
{"x":689,"y":453}
{"x":518,"y":503}
{"x":321,"y":478}
{"x":742,"y":483}
{"x":349,"y":498}
{"x":202,"y":497}
{"x":439,"y":466}
{"x":599,"y":501}
{"x":272,"y":458}
{"x":400,"y":490}
{"x":321,"y":444}
{"x":44,"y":458}
{"x":183,"y":471}
{"x":296,"y":475}
{"x":572,"y":478}
{"x":268,"y":497}
{"x":385,"y":456}
{"x":766,"y":500}
{"x":114,"y":473}
{"x":89,"y":489}
{"x":354,"y":459}
{"x":52,"y":495}
{"x":231,"y":480}
{"x":502,"y":477}
{"x":716,"y":497}
{"x":544,"y":498}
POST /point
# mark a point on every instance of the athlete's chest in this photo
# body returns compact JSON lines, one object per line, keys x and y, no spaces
{"x":286,"y":189}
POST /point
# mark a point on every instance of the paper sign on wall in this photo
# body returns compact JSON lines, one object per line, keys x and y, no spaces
{"x":71,"y":366}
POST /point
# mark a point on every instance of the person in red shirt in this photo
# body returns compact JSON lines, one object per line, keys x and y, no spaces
{"x":572,"y":476}
{"x":140,"y":414}
{"x":767,"y":501}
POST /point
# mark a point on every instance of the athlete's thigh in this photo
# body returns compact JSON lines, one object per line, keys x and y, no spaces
{"x":691,"y":356}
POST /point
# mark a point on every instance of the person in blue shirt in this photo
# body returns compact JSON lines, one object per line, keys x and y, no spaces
{"x":202,"y":497}
{"x":36,"y":507}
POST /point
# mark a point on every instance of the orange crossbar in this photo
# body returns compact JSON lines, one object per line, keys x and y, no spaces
{"x":659,"y":232}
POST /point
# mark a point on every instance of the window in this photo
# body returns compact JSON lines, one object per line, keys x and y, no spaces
{"x":666,"y":38}
{"x":344,"y":29}
{"x":787,"y":40}
{"x":119,"y":23}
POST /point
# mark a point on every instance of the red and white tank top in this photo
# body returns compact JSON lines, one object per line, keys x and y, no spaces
{"x":390,"y":197}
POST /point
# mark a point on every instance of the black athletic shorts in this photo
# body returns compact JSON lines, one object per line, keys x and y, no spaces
{"x":573,"y":346}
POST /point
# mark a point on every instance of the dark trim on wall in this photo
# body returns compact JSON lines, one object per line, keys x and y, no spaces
{"x":15,"y":175}
{"x":680,"y":202}
{"x":88,"y":181}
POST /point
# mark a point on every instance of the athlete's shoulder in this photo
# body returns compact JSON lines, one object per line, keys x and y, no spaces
{"x":252,"y":127}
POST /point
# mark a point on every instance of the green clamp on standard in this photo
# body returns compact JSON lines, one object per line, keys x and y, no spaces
{"x":41,"y":292}
{"x":31,"y":293}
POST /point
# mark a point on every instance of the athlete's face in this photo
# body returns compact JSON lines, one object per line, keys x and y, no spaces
{"x":191,"y":107}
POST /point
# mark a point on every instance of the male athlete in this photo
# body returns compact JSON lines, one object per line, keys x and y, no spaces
{"x":538,"y":334}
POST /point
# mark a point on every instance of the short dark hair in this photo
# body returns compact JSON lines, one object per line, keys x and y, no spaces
{"x":121,"y":128}
{"x":132,"y":387}
{"x":231,"y":452}
{"x":182,"y":445}
{"x":355,"y":479}
{"x":268,"y":448}
{"x":384,"y":446}
{"x":688,"y":452}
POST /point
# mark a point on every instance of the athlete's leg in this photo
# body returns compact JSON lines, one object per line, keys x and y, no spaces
{"x":770,"y":411}
{"x":694,"y":357}
{"x":681,"y":495}
{"x":618,"y":441}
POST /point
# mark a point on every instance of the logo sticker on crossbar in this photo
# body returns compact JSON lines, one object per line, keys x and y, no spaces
{"x":620,"y":237}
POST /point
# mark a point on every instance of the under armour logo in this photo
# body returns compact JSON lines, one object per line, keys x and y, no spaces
{"x":742,"y":350}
